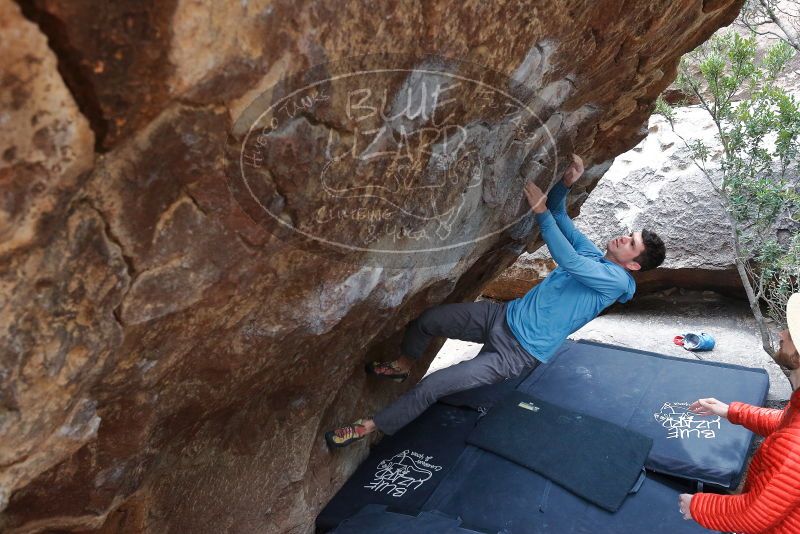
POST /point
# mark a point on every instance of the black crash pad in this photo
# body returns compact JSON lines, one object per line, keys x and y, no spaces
{"x":595,"y":459}
{"x":493,"y":494}
{"x":650,"y":393}
{"x":380,"y":519}
{"x":402,"y":470}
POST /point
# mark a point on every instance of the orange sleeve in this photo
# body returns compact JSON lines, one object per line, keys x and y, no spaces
{"x":762,"y":421}
{"x":755,"y":510}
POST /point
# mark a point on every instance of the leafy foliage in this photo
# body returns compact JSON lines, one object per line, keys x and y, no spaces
{"x":756,"y":177}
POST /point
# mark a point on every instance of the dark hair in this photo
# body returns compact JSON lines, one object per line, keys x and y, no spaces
{"x":654,"y":251}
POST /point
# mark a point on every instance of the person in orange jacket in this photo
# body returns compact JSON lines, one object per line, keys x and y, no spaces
{"x":770,"y":500}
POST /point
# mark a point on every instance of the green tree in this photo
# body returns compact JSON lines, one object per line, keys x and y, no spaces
{"x":775,"y":18}
{"x":756,"y":177}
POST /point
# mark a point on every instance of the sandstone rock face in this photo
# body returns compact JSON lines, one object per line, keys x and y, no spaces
{"x":50,"y":350}
{"x":170,"y":362}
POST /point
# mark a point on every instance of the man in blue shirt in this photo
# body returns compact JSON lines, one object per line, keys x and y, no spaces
{"x":519,"y":334}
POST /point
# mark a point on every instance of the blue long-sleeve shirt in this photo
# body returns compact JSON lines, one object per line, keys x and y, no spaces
{"x":574,"y":293}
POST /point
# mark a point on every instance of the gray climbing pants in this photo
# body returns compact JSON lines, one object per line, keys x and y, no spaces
{"x":479,"y":322}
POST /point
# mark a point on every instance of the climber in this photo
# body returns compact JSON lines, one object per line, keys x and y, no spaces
{"x":770,"y":499}
{"x":519,"y":334}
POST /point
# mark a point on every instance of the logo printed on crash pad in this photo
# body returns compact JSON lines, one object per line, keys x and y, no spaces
{"x":683,"y":424}
{"x":403,"y":471}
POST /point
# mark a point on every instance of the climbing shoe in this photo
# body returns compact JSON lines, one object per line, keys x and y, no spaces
{"x":344,"y":436}
{"x":695,"y":342}
{"x":386,"y":370}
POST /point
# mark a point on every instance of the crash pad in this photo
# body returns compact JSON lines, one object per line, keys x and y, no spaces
{"x":650,"y":393}
{"x":595,"y":459}
{"x":403,"y":469}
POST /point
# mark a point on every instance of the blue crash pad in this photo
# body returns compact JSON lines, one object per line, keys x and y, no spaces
{"x":642,"y":391}
{"x":380,"y":519}
{"x":402,"y":470}
{"x":650,"y":393}
{"x":595,"y":459}
{"x":493,"y":494}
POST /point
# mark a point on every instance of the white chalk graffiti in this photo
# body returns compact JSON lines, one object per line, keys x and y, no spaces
{"x":683,"y":424}
{"x":403,"y":471}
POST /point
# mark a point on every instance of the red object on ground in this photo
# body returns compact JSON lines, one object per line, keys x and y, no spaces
{"x":770,"y":501}
{"x":678,"y":340}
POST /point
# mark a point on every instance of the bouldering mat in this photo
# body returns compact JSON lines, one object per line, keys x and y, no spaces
{"x":650,"y":393}
{"x":380,"y":519}
{"x":493,"y":494}
{"x":402,"y":470}
{"x":595,"y":459}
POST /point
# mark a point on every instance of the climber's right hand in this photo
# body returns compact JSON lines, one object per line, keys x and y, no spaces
{"x":536,"y":198}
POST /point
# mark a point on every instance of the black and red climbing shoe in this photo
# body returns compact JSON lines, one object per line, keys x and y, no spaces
{"x":386,"y":370}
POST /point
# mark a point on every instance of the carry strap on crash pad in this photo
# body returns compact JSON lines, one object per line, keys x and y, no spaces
{"x":599,"y":461}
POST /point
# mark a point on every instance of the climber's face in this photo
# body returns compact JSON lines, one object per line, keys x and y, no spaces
{"x":625,"y":248}
{"x":787,"y":354}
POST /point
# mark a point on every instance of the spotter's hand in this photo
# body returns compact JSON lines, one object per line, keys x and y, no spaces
{"x":685,"y":503}
{"x":710,"y":406}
